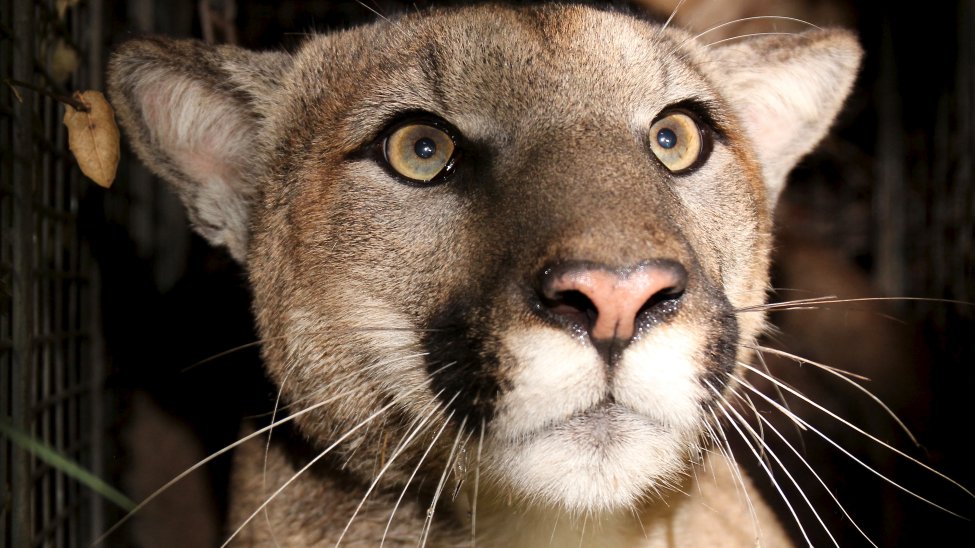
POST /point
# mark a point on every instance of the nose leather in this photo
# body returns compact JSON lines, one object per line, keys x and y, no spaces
{"x":609,"y":304}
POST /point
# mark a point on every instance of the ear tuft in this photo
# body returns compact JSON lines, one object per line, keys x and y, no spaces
{"x":787,"y":90}
{"x":193,"y":114}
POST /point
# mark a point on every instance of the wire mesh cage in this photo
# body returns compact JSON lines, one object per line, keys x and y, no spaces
{"x":50,"y":376}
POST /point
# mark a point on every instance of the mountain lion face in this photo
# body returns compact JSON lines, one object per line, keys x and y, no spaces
{"x":525,"y":237}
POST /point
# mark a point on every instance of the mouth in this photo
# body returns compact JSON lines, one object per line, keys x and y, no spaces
{"x":605,"y":423}
{"x":604,"y":457}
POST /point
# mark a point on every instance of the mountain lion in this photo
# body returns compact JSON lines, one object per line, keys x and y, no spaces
{"x":508,"y":265}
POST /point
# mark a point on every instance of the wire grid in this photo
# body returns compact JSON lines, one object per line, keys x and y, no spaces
{"x":49,"y":380}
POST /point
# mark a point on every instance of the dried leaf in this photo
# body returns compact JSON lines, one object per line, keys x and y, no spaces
{"x":93,"y":137}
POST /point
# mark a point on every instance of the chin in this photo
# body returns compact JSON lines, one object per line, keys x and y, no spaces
{"x":603,"y":460}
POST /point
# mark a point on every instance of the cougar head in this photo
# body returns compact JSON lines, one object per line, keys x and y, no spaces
{"x":529,"y":226}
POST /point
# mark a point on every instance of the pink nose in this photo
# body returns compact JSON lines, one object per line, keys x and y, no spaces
{"x":609,"y":303}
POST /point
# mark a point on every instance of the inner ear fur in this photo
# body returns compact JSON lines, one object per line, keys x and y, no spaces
{"x":194,"y":114}
{"x":786,"y":90}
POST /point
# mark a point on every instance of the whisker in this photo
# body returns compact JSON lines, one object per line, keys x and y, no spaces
{"x":732,"y":466}
{"x":203,"y":462}
{"x":829,"y":299}
{"x":753,"y":18}
{"x":227,"y":352}
{"x":795,"y":417}
{"x":424,"y":536}
{"x":415,"y":470}
{"x":582,"y":535}
{"x":781,"y":396}
{"x":412,"y":432}
{"x":782,"y":465}
{"x":394,"y":24}
{"x":317,"y":458}
{"x":835,"y":300}
{"x":749,"y":35}
{"x":330,"y":330}
{"x":814,"y":473}
{"x":477,"y":481}
{"x":841,"y":374}
{"x":672,"y":15}
{"x":764,"y":466}
{"x":356,"y":372}
{"x":760,"y":436}
{"x":267,"y":450}
{"x":681,"y":45}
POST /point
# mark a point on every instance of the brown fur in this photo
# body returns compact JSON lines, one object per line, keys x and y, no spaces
{"x":371,"y":293}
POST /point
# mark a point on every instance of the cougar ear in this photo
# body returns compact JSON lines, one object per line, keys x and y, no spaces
{"x":786,"y":89}
{"x":194,"y":114}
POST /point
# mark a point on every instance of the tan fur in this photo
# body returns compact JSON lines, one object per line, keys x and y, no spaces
{"x":409,"y":312}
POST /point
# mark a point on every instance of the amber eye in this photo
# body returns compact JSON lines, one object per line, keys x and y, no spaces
{"x":677,"y":142}
{"x":419,"y":152}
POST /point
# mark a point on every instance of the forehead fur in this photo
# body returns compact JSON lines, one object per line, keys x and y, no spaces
{"x":487,"y":67}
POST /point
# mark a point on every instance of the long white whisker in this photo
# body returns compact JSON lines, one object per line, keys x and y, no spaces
{"x":768,"y":450}
{"x":227,"y":352}
{"x":477,"y":481}
{"x":795,"y":357}
{"x":759,"y":436}
{"x":795,"y":417}
{"x":765,"y":467}
{"x":555,"y":527}
{"x":753,"y":18}
{"x":378,"y":365}
{"x":833,"y":299}
{"x":740,"y":20}
{"x":413,"y":474}
{"x":267,"y":450}
{"x":443,"y":480}
{"x":582,"y":535}
{"x":749,"y":35}
{"x":259,"y":342}
{"x":201,"y":463}
{"x":814,"y":473}
{"x":672,"y":14}
{"x":804,"y":304}
{"x":417,"y":426}
{"x":733,"y":466}
{"x":785,"y":402}
{"x":317,"y":458}
{"x":383,"y":17}
{"x":843,"y":375}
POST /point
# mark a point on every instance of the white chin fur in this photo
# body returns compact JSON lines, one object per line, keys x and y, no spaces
{"x":556,"y":440}
{"x":599,"y":461}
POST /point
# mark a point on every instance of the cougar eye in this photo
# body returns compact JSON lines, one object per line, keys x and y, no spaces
{"x":677,"y":141}
{"x":419,"y":152}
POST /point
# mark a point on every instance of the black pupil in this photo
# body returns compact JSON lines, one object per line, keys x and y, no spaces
{"x":666,"y":138}
{"x":425,"y":148}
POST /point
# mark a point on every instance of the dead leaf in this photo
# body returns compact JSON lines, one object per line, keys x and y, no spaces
{"x":93,"y":137}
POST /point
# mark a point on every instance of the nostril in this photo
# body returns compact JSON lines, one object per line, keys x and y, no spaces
{"x":571,"y":305}
{"x":660,"y":304}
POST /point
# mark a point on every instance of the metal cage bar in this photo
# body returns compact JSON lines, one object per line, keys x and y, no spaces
{"x":49,"y":379}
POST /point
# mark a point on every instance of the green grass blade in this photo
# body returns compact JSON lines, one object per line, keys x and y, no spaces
{"x":67,"y":466}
